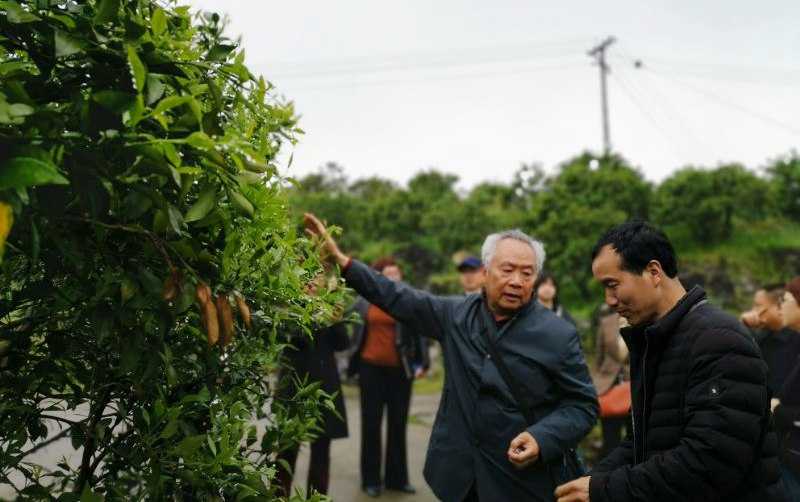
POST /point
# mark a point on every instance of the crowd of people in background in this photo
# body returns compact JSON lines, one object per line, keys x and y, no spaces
{"x":666,"y":434}
{"x":774,"y":321}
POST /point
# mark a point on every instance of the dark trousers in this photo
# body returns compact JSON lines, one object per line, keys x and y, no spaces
{"x":384,"y":387}
{"x":318,"y":471}
{"x":613,"y":432}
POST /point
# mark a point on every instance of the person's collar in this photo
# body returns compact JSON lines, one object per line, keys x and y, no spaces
{"x":669,"y":321}
{"x":523,"y":309}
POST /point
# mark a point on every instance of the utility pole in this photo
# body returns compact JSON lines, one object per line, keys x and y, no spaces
{"x":599,"y":54}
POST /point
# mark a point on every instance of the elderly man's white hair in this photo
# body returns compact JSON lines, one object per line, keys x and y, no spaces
{"x":490,"y":246}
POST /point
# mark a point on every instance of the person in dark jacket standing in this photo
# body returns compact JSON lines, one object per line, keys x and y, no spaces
{"x":786,"y":405}
{"x":312,"y":359}
{"x":700,"y":412}
{"x":482,"y":447}
{"x":779,"y":342}
{"x":389,"y":356}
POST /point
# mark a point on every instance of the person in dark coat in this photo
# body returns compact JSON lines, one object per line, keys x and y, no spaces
{"x":313,"y":360}
{"x":481,"y":446}
{"x":389,"y":356}
{"x":787,"y":423}
{"x":786,"y":407}
{"x":700,"y":412}
{"x":546,"y":292}
{"x":779,"y":343}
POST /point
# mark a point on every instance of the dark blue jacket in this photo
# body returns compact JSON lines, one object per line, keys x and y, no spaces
{"x":478,"y":417}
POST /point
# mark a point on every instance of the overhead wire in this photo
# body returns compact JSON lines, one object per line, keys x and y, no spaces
{"x":424,"y":60}
{"x":661,"y":101}
{"x":638,"y":103}
{"x":445,"y":77}
{"x":763,"y":117}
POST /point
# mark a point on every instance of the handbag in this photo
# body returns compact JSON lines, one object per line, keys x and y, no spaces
{"x":616,"y":402}
{"x":570,"y":467}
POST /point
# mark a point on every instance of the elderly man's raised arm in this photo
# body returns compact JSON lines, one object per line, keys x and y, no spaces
{"x":423,"y":311}
{"x":419,"y":309}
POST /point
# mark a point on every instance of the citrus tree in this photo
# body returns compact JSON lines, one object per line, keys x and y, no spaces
{"x":150,"y":268}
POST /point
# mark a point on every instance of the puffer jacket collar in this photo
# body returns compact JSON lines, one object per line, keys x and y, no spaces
{"x":661,"y":330}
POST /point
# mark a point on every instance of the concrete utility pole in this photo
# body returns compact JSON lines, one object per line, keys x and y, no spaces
{"x":599,"y":54}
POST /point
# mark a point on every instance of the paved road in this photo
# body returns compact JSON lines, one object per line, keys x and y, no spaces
{"x":345,"y":484}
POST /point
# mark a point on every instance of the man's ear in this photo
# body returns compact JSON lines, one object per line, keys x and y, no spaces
{"x":654,"y":271}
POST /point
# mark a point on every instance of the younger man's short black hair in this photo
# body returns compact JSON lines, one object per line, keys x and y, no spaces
{"x":638,"y":243}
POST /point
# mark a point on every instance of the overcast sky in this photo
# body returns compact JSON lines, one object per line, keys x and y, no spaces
{"x":472,"y":88}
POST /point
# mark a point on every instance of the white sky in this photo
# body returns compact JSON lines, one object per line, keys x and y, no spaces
{"x":475,"y":88}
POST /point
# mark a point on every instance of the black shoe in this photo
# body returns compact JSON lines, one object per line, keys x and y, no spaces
{"x":372,"y":491}
{"x":407,"y":488}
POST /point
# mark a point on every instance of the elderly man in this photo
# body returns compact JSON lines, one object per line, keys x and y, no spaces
{"x":482,"y":447}
{"x":701,"y":418}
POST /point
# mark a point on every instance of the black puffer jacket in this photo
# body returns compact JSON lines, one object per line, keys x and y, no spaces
{"x":700,"y":414}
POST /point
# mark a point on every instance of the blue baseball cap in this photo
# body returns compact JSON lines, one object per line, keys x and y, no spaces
{"x":469,"y":263}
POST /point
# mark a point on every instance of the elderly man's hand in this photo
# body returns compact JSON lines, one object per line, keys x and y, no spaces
{"x":523,"y":450}
{"x":316,"y":229}
{"x":574,"y":491}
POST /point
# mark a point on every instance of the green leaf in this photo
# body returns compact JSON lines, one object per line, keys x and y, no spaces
{"x":200,"y":140}
{"x":20,"y":110}
{"x":155,"y":88}
{"x":16,"y":14}
{"x":176,"y":176}
{"x":66,"y":45}
{"x":159,"y":22}
{"x":116,"y":101}
{"x":107,"y":11}
{"x":135,"y":205}
{"x":20,"y":172}
{"x":77,"y":436}
{"x":247,"y":178}
{"x":170,"y":429}
{"x":168,"y":103}
{"x":175,"y":219}
{"x":89,"y":496}
{"x":138,"y":71}
{"x":171,"y":154}
{"x":205,"y":203}
{"x":241,"y":203}
{"x":67,"y":21}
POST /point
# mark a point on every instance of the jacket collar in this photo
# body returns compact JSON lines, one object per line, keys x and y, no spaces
{"x":528,"y":307}
{"x":666,"y":325}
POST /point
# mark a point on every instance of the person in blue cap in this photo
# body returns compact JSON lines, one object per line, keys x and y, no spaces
{"x":471,"y":275}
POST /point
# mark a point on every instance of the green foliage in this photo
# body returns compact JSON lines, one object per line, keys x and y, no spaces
{"x":785,"y":174}
{"x":727,"y":221}
{"x":587,"y":196}
{"x":136,"y":152}
{"x":703,"y":205}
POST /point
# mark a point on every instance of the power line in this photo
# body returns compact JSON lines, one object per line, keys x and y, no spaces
{"x":418,"y":61}
{"x":670,"y":112}
{"x":439,"y":78}
{"x":720,"y":72}
{"x":731,"y":104}
{"x":639,"y":104}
